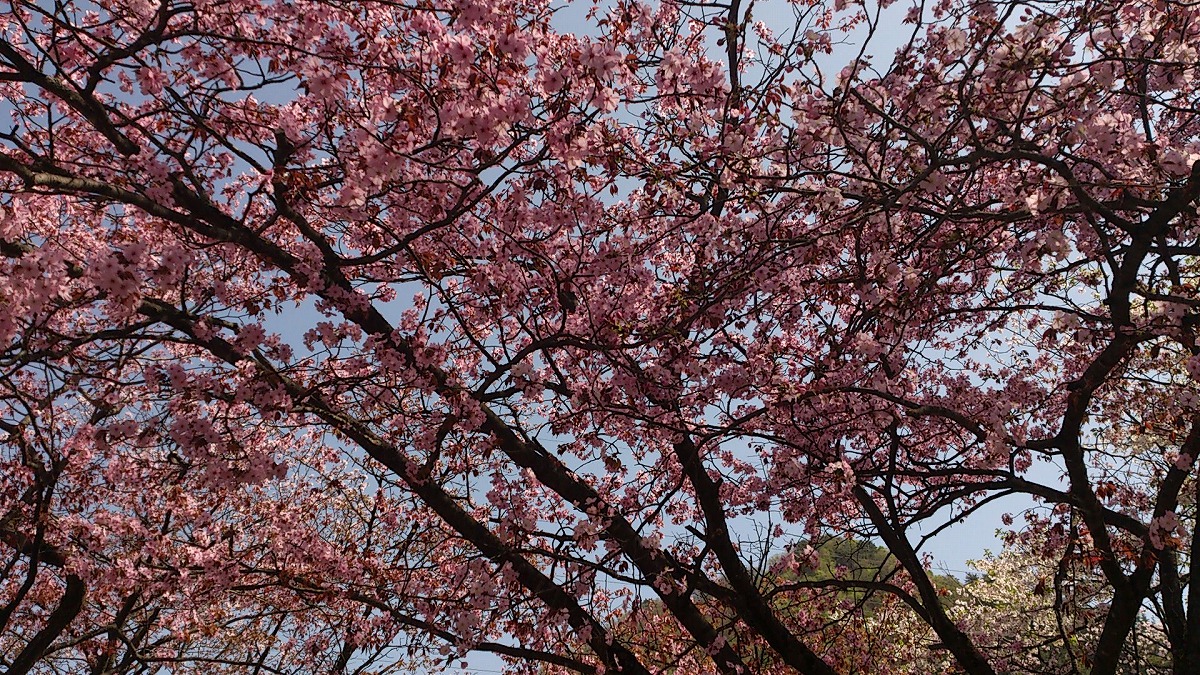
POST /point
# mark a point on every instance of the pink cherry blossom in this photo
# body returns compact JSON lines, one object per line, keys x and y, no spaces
{"x":341,"y":334}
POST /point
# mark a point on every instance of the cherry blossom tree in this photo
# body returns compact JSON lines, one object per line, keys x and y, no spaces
{"x":364,"y":335}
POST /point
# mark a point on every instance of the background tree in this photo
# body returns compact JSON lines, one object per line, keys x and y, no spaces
{"x":1030,"y":613}
{"x":342,"y":333}
{"x":828,"y":590}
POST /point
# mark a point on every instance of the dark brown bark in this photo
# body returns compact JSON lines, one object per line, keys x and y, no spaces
{"x":68,"y":608}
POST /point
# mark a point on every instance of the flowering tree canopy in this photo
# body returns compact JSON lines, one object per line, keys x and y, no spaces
{"x":356,"y":336}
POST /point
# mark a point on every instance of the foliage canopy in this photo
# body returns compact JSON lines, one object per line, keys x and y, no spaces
{"x":356,"y":336}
